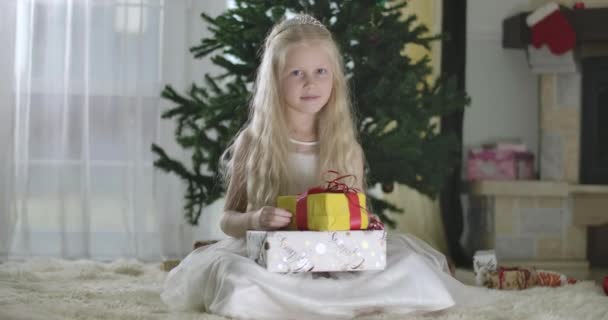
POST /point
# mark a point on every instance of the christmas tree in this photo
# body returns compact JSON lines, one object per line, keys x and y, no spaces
{"x":393,"y":97}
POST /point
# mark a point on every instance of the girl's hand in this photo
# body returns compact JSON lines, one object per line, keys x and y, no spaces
{"x":270,"y":218}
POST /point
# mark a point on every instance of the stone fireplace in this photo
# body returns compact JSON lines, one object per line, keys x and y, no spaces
{"x":574,"y":123}
{"x":560,"y":221}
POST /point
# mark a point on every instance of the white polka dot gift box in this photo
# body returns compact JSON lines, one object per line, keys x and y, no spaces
{"x":318,"y":251}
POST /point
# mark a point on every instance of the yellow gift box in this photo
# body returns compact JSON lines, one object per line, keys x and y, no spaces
{"x":326,"y":211}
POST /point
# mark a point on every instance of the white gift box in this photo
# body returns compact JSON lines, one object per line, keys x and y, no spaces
{"x":318,"y":251}
{"x":484,"y":261}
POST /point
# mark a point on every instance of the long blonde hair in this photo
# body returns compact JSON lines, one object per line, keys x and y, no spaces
{"x":260,"y":150}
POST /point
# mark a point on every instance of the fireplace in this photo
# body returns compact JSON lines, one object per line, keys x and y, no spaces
{"x":559,"y":221}
{"x":594,"y":122}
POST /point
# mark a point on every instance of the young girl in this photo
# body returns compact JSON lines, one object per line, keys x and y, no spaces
{"x":301,"y":125}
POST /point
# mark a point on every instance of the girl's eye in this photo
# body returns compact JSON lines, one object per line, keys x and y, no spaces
{"x":322,"y":71}
{"x":296,"y":73}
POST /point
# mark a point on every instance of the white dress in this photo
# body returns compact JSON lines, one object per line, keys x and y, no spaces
{"x":221,"y":279}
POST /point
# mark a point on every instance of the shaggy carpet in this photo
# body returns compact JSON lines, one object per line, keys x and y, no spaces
{"x":127,"y":289}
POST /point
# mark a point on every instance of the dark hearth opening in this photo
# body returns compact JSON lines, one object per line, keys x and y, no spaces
{"x":594,"y":121}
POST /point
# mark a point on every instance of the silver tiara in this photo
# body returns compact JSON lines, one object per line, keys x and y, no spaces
{"x":300,"y":19}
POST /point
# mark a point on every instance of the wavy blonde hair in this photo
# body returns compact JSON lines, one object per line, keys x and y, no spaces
{"x":256,"y":168}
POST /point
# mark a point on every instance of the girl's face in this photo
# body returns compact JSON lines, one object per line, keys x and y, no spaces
{"x":306,"y":79}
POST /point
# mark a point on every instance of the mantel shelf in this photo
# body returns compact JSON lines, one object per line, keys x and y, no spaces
{"x":590,"y":26}
{"x":533,"y":188}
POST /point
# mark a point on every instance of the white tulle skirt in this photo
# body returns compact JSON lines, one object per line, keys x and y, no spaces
{"x":221,"y":279}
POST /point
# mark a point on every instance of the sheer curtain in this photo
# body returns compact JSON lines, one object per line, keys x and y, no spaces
{"x":79,"y":107}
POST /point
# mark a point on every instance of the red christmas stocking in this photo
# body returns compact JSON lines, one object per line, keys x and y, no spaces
{"x":549,"y":26}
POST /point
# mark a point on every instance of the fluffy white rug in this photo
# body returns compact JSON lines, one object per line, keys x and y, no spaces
{"x":126,"y":289}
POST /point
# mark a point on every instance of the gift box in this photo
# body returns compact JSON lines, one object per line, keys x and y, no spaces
{"x":499,"y":164}
{"x":484,"y":262}
{"x":335,"y":207}
{"x":318,"y":251}
{"x":523,"y":278}
{"x":511,"y":279}
{"x":326,"y":211}
{"x":552,"y":279}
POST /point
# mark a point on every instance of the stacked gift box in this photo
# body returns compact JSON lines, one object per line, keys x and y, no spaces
{"x":504,"y":160}
{"x":318,"y":251}
{"x":330,"y":230}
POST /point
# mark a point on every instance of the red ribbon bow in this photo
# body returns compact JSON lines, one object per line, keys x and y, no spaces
{"x":333,"y":186}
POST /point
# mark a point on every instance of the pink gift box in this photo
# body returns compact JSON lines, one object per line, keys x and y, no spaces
{"x":499,"y":164}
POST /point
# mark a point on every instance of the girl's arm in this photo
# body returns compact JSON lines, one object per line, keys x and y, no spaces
{"x":359,"y":169}
{"x":236,"y":221}
{"x":236,"y":224}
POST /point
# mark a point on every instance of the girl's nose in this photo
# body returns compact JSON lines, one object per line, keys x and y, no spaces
{"x":308,"y":80}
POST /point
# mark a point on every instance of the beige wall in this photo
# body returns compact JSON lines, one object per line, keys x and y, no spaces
{"x":429,"y":13}
{"x":503,"y":90}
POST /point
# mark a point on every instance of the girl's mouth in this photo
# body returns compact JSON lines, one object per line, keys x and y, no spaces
{"x":309,"y":98}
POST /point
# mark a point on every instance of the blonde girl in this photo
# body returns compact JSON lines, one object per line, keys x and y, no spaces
{"x":301,"y":104}
{"x":300,"y":126}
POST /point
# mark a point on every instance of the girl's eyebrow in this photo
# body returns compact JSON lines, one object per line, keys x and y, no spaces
{"x":293,"y":67}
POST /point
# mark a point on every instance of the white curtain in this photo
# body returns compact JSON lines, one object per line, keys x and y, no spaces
{"x":79,"y":107}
